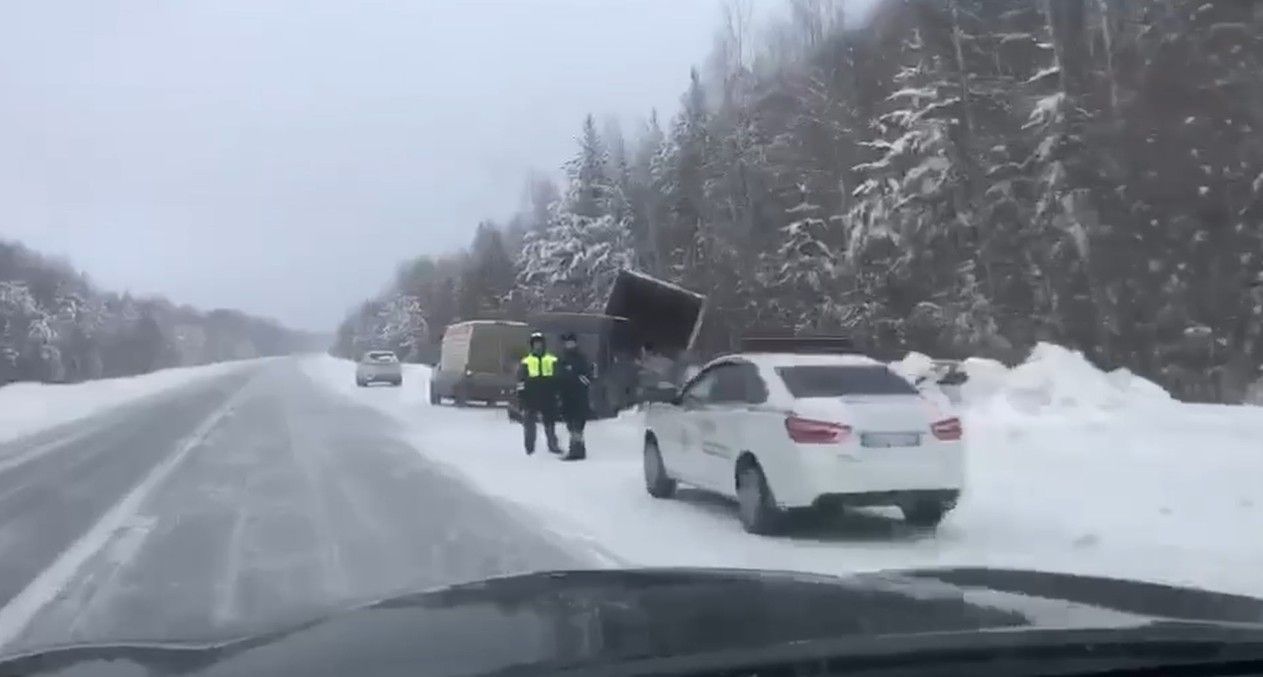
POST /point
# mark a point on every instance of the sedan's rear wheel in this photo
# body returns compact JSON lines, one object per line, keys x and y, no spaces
{"x":755,"y":503}
{"x":657,"y":482}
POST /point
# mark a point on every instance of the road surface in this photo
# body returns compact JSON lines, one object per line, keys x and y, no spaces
{"x":240,"y":502}
{"x":260,"y":497}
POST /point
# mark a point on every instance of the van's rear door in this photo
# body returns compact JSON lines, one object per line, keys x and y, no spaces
{"x":496,"y":348}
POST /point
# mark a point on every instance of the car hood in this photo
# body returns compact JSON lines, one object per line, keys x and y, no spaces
{"x":585,"y":619}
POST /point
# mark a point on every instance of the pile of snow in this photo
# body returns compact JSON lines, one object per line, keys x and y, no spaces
{"x":1105,"y":476}
{"x":914,"y":366}
{"x":1062,"y":379}
{"x":1053,"y":380}
{"x":26,"y":408}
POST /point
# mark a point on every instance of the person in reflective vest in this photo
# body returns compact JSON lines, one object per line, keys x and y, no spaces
{"x":537,"y":393}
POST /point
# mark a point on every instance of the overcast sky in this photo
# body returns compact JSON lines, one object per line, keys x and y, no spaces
{"x":281,"y":156}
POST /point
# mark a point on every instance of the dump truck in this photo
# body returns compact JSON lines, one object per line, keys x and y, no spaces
{"x":659,"y":314}
{"x":640,"y":311}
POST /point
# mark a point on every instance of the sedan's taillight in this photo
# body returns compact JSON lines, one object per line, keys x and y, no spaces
{"x":948,"y":430}
{"x":808,"y":431}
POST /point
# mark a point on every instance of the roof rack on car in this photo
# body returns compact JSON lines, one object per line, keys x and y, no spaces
{"x":817,"y":344}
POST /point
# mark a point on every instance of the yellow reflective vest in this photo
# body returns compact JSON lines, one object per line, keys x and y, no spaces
{"x":540,"y":365}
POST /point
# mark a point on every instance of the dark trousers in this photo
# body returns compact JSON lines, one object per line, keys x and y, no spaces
{"x":531,"y":417}
{"x":574,"y":411}
{"x":574,"y":426}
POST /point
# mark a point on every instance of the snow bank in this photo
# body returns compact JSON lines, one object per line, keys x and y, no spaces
{"x":986,"y":378}
{"x":1127,"y":480}
{"x":1058,"y":378}
{"x":1168,"y":492}
{"x":27,"y":408}
{"x":1052,"y":381}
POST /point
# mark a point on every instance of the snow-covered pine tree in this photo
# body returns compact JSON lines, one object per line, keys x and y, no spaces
{"x":591,"y":190}
{"x":400,"y":326}
{"x":571,"y":264}
{"x":802,"y":274}
{"x":645,"y":202}
{"x":1079,"y":205}
{"x":18,"y":312}
{"x":907,"y":198}
{"x":486,"y":276}
{"x":1190,"y":80}
{"x":681,"y":171}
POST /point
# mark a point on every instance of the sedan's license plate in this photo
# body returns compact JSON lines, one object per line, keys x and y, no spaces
{"x":884,"y":440}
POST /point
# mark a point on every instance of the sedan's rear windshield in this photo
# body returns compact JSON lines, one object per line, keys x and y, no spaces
{"x":835,"y":381}
{"x":382,"y":357}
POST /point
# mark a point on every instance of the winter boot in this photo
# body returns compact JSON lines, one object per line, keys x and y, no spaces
{"x":578,"y":451}
{"x":553,"y":445}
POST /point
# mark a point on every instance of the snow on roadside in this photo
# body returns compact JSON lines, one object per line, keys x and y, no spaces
{"x":27,"y":408}
{"x":1064,"y":474}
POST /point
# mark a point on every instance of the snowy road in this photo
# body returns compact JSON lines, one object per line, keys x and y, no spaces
{"x":259,"y":495}
{"x":1151,"y":489}
{"x":243,"y":500}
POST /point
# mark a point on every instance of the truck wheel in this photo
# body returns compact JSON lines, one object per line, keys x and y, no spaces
{"x":755,"y":504}
{"x":435,"y":400}
{"x":925,"y":513}
{"x":360,"y":382}
{"x":657,"y":483}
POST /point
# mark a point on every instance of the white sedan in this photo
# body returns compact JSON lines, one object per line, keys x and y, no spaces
{"x":779,"y":432}
{"x":378,"y":366}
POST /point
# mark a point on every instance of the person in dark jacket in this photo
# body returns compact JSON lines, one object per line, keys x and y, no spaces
{"x":575,"y":374}
{"x":537,"y":393}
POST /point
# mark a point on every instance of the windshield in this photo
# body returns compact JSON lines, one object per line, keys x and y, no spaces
{"x":859,"y":286}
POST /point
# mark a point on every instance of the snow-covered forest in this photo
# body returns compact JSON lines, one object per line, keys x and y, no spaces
{"x":55,"y":326}
{"x":958,"y":177}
